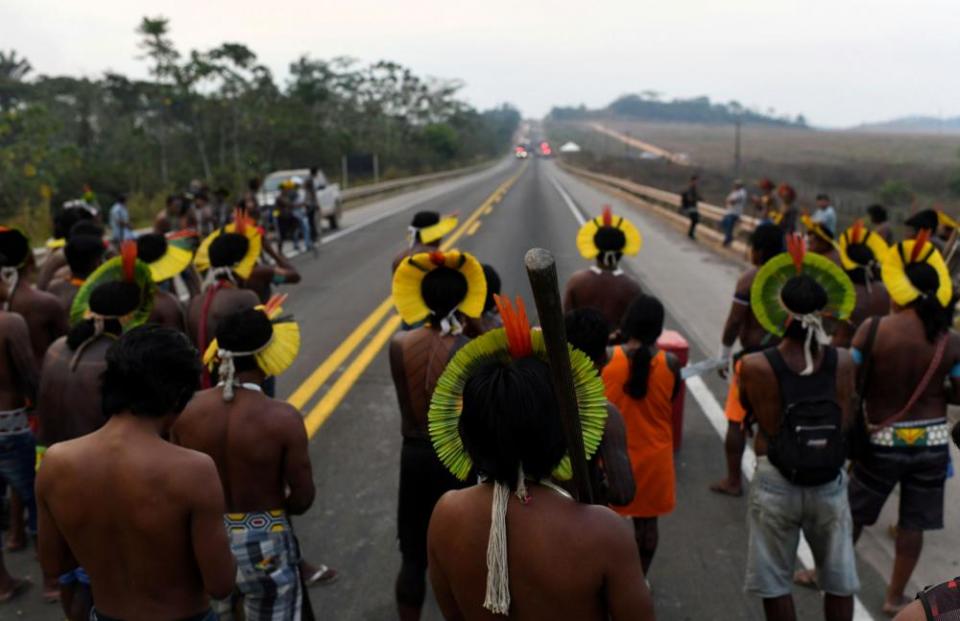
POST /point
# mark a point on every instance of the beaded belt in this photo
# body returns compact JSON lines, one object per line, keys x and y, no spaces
{"x":14,"y":422}
{"x":934,"y":432}
{"x":268,"y":521}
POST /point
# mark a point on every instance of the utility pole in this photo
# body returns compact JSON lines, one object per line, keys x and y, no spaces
{"x":376,"y":168}
{"x":736,"y":149}
{"x":343,"y":172}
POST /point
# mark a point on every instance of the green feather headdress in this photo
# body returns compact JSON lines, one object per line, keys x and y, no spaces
{"x":125,"y":268}
{"x":515,"y":340}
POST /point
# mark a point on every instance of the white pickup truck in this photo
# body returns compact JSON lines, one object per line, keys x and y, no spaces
{"x":328,"y":194}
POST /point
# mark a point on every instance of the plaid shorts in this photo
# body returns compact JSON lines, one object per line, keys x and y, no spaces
{"x":268,"y":579}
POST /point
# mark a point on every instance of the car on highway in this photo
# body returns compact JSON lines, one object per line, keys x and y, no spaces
{"x":521,"y":152}
{"x":329,"y":201}
{"x":545,"y":150}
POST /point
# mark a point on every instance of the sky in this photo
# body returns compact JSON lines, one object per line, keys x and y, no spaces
{"x":838,"y":62}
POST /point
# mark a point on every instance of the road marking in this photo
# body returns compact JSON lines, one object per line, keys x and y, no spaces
{"x":473,"y":228}
{"x":715,"y":416}
{"x":488,"y":210}
{"x":328,"y":403}
{"x":349,"y":377}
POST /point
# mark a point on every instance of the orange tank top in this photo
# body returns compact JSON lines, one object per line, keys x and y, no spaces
{"x":649,"y":424}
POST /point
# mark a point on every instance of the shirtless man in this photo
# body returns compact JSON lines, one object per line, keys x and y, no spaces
{"x":566,"y":561}
{"x":611,"y":477}
{"x":604,"y":286}
{"x":265,"y":276}
{"x":814,"y":501}
{"x":914,"y":339}
{"x":820,"y":240}
{"x":84,"y":253}
{"x":260,"y":448}
{"x":766,"y":242}
{"x":45,"y":317}
{"x":63,"y":224}
{"x":426,"y":231}
{"x":417,"y":359}
{"x":859,"y":249}
{"x":18,"y":383}
{"x":123,"y":502}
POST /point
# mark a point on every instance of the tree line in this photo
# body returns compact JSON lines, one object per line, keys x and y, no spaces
{"x":221,"y":116}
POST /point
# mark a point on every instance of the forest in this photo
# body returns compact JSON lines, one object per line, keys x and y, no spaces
{"x":221,"y":116}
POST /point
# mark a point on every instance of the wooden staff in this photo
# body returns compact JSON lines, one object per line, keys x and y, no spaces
{"x":542,"y":272}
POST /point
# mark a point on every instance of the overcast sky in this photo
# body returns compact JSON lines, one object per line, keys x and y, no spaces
{"x":839,"y":62}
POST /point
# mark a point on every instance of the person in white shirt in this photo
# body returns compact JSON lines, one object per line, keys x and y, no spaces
{"x":735,"y":203}
{"x":825,"y":215}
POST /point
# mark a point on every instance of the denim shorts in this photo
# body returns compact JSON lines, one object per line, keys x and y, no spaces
{"x":778,"y":511}
{"x":18,"y":459}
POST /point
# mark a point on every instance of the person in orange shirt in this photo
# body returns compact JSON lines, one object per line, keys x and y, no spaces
{"x":642,"y":382}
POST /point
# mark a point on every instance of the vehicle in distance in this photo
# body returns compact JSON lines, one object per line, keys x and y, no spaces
{"x":329,"y":202}
{"x":544,"y":150}
{"x":521,"y":152}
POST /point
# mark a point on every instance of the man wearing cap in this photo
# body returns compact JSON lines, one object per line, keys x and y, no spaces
{"x":260,"y":448}
{"x":735,"y":204}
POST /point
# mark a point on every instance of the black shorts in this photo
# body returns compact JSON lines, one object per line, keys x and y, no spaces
{"x":921,"y":473}
{"x":423,"y":480}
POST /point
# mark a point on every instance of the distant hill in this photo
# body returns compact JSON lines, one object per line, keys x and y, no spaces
{"x":649,"y":107}
{"x":914,"y":125}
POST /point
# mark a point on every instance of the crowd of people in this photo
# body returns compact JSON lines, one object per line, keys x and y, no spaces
{"x":161,"y":350}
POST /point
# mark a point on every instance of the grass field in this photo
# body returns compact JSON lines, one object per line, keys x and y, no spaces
{"x":853,"y":167}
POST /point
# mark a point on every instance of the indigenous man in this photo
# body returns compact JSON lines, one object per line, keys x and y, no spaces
{"x":560,"y":560}
{"x":861,"y":251}
{"x":146,"y":525}
{"x":926,"y":220}
{"x":879,"y":222}
{"x":439,"y":288}
{"x":788,"y":216}
{"x":266,"y":275}
{"x":766,"y":242}
{"x":821,"y":239}
{"x":46,"y":318}
{"x":260,"y":448}
{"x":424,"y":234}
{"x":18,"y":383}
{"x":117,"y":296}
{"x":906,"y":358}
{"x":611,"y":478}
{"x":63,"y":224}
{"x":167,"y":259}
{"x":604,"y":286}
{"x":801,"y":395}
{"x":84,"y":253}
{"x":766,"y":203}
{"x":490,"y":319}
{"x":227,"y":256}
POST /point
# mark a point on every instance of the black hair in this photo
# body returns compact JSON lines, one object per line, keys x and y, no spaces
{"x":588,"y":331}
{"x":86,"y":227}
{"x":151,"y":247}
{"x":151,"y":371}
{"x":83,"y":254}
{"x":936,"y":319}
{"x":313,"y":170}
{"x":228,"y":249}
{"x":643,"y":322}
{"x":822,"y":197}
{"x":81,"y":332}
{"x":423,"y":219}
{"x":253,"y":184}
{"x":115,"y":298}
{"x":802,"y":295}
{"x":877,"y":213}
{"x":247,"y":329}
{"x":866,"y":264}
{"x":443,"y":288}
{"x":14,"y":248}
{"x":926,"y":219}
{"x":64,"y":221}
{"x":493,"y":287}
{"x":768,"y":241}
{"x":511,"y":419}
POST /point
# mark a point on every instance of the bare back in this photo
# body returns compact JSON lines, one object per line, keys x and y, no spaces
{"x":167,"y":311}
{"x":68,"y":402}
{"x":143,"y":518}
{"x":46,"y":318}
{"x":741,"y":323}
{"x":900,"y":356}
{"x":226,"y":301}
{"x":417,"y":360}
{"x":259,"y":445}
{"x":65,"y":291}
{"x":609,"y":292}
{"x":18,"y":370}
{"x":872,"y":302}
{"x":409,"y":252}
{"x":567,"y":561}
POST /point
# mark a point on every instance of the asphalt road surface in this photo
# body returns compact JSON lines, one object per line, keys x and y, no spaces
{"x":341,"y":382}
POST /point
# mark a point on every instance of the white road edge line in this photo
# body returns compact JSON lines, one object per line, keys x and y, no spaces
{"x":714,"y":413}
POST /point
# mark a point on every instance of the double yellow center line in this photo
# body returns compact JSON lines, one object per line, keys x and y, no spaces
{"x":315,"y":418}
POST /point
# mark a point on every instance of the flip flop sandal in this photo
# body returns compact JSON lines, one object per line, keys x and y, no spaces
{"x":323,"y":576}
{"x":19,"y":588}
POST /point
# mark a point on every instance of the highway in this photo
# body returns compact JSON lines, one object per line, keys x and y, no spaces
{"x":342,"y":384}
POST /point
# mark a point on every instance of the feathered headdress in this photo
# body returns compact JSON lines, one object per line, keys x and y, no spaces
{"x":608,"y":236}
{"x":896,"y":268}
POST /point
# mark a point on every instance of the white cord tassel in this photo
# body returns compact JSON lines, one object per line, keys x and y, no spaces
{"x":217,"y":272}
{"x":227,"y":373}
{"x":497,"y":598}
{"x":412,"y":235}
{"x":10,"y":277}
{"x":813,"y":324}
{"x":610,"y":258}
{"x":450,"y":324}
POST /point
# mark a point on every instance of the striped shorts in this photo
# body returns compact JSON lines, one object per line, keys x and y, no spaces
{"x":268,"y":579}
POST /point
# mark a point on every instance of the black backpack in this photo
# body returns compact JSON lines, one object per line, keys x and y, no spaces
{"x":810,"y":447}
